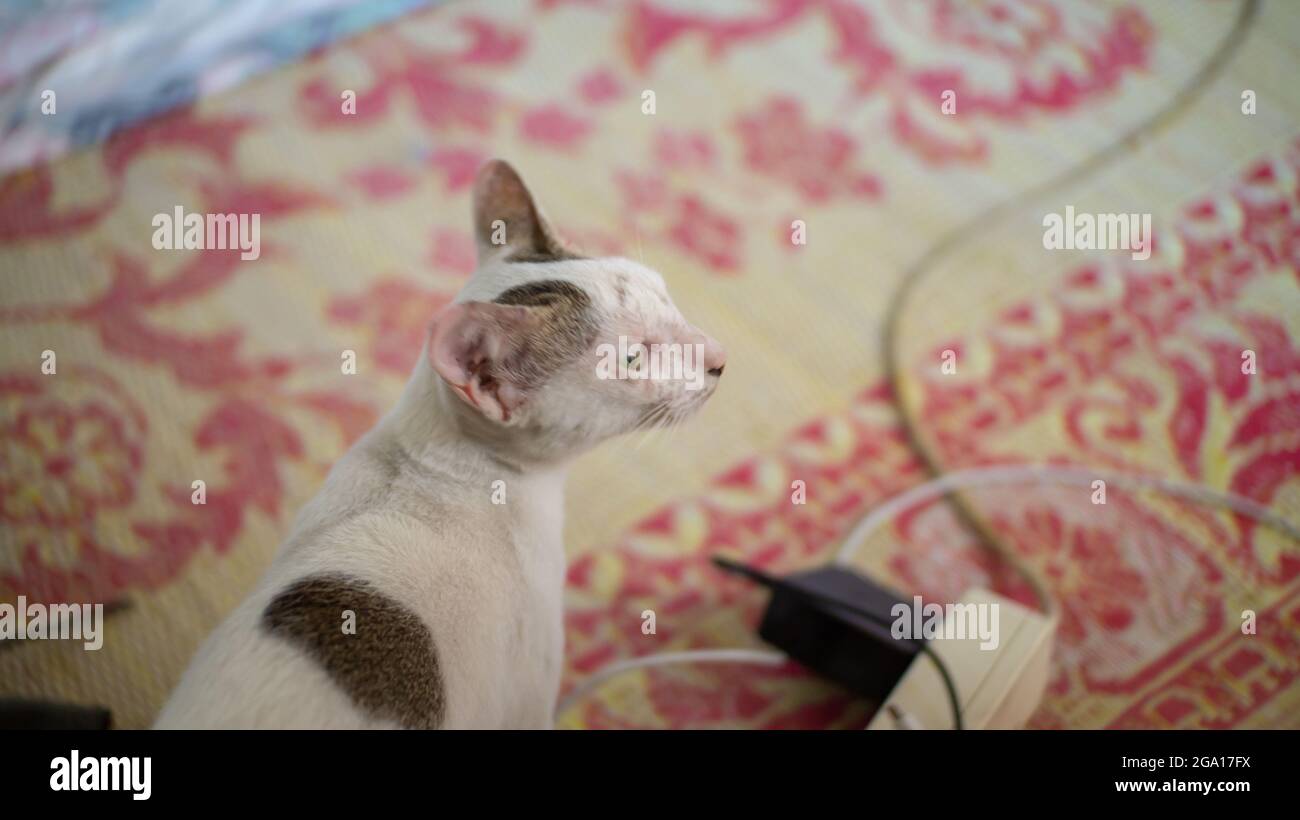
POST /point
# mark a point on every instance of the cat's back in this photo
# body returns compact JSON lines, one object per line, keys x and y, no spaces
{"x":383,"y":608}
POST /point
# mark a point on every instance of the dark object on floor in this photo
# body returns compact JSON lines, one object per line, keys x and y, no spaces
{"x":40,"y":714}
{"x":837,"y":642}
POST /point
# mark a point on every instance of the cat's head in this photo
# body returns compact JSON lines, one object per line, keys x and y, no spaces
{"x":554,"y":351}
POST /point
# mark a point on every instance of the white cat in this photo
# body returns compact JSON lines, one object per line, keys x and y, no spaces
{"x":422,"y":586}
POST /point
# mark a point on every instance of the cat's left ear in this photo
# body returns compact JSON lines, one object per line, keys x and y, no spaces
{"x":474,"y":347}
{"x":507,"y":219}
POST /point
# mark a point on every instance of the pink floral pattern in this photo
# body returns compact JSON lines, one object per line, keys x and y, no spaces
{"x":815,"y":162}
{"x":553,"y":125}
{"x":1147,"y":609}
{"x":60,"y":464}
{"x":707,"y":234}
{"x":1004,"y":61}
{"x":206,"y":367}
{"x":396,"y":316}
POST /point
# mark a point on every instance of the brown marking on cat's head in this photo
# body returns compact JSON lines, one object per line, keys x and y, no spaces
{"x":564,"y":326}
{"x":496,"y":353}
{"x":531,"y":341}
{"x":389,"y":667}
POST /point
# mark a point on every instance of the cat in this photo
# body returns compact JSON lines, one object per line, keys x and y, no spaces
{"x":422,"y":586}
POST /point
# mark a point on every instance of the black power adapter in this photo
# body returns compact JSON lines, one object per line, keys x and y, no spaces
{"x":839,"y":624}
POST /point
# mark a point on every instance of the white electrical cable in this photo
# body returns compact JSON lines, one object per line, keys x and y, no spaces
{"x":1028,"y":473}
{"x":752,"y":656}
{"x":982,"y":476}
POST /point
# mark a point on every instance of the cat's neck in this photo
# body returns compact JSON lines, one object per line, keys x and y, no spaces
{"x":436,"y":427}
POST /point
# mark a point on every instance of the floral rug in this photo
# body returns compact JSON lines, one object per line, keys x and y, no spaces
{"x":177,"y":367}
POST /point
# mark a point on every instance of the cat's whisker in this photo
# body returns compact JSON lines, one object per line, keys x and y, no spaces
{"x":648,"y":422}
{"x":668,"y":421}
{"x":677,"y":420}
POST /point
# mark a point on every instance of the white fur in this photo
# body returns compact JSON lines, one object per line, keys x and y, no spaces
{"x":486,"y":579}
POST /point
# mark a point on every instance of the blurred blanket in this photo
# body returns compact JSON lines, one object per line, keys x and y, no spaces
{"x":704,"y":142}
{"x":73,"y":73}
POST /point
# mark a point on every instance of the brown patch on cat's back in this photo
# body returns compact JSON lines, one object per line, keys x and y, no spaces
{"x":389,"y":667}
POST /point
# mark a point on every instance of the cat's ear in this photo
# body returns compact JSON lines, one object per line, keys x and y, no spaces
{"x":506,"y":219}
{"x":471,"y":345}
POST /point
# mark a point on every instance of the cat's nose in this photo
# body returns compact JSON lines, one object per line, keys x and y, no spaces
{"x":715,"y":356}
